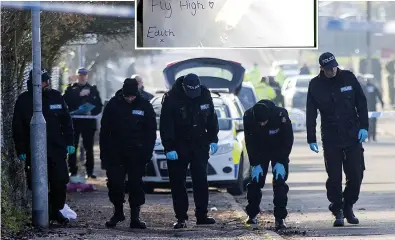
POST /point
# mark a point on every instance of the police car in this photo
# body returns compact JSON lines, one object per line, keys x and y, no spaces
{"x":229,"y":167}
{"x":298,"y":119}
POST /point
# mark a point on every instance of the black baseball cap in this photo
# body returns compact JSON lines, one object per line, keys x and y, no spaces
{"x":82,"y":71}
{"x":130,"y":87}
{"x":327,"y":61}
{"x":45,"y":77}
{"x":192,"y":85}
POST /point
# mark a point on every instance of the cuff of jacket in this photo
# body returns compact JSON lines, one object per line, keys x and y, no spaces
{"x":311,"y":139}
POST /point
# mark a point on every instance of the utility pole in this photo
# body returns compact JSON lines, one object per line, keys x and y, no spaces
{"x":38,"y":132}
{"x":368,"y":37}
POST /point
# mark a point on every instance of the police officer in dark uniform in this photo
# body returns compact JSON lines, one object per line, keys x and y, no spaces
{"x":59,"y":141}
{"x":339,"y":97}
{"x":75,"y":96}
{"x":127,"y":140}
{"x":188,"y":129}
{"x":269,"y":138}
{"x":373,"y":94}
{"x":304,"y":70}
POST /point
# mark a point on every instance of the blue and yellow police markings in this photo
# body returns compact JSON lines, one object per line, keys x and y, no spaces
{"x":236,"y":156}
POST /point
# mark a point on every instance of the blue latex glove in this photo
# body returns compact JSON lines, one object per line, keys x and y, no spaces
{"x":82,"y":108}
{"x":256,"y":172}
{"x":70,"y":149}
{"x":172,"y":155}
{"x":279,"y":170}
{"x":22,"y":157}
{"x":362,"y":135}
{"x":213,"y":148}
{"x":314,"y":147}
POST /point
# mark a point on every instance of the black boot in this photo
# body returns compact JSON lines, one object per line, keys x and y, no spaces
{"x":252,"y":220}
{"x":135,"y":221}
{"x":118,"y":216}
{"x":280,"y":224}
{"x":339,"y":219}
{"x":205,"y":220}
{"x":92,"y":176}
{"x":349,"y":215}
{"x":180,"y":224}
{"x":58,"y":217}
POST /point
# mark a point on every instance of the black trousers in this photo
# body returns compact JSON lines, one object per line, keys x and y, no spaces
{"x":280,"y":193}
{"x":116,"y":182}
{"x":372,"y":128}
{"x":352,"y":160}
{"x":88,"y":135}
{"x":198,"y":160}
{"x":58,"y":178}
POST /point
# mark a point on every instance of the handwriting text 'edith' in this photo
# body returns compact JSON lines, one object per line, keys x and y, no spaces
{"x":192,"y":6}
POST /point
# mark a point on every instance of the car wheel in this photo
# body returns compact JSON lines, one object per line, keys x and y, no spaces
{"x":238,"y":187}
{"x":148,"y":189}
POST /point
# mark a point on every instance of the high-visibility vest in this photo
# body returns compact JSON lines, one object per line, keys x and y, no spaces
{"x":280,"y":78}
{"x":253,"y":76}
{"x":264,"y":91}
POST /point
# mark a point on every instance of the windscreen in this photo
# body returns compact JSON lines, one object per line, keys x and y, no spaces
{"x":247,"y":97}
{"x":289,"y":67}
{"x":302,"y":82}
{"x":207,"y":71}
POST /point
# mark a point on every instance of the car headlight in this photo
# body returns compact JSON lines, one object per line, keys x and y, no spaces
{"x":224,"y":147}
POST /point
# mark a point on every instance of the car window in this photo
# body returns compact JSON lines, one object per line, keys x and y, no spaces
{"x":221,"y":110}
{"x":303,"y":82}
{"x":288,"y":67}
{"x":233,"y":110}
{"x":207,"y":72}
{"x":239,"y":108}
{"x":247,"y":97}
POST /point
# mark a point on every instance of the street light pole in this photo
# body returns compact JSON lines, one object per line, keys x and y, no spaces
{"x":38,"y":132}
{"x":369,"y":37}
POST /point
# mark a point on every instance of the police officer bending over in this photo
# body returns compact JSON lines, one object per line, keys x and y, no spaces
{"x":269,"y":138}
{"x":189,"y":128}
{"x":127,"y":139}
{"x":339,"y":97}
{"x":76,"y":95}
{"x":59,"y":141}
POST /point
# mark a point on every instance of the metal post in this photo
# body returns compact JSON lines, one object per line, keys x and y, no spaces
{"x":368,"y":37}
{"x":38,"y":132}
{"x":81,"y":51}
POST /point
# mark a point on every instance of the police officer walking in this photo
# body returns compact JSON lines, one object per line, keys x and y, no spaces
{"x":339,"y":97}
{"x":75,"y":96}
{"x":269,"y":138}
{"x":373,"y":95}
{"x":127,"y":140}
{"x":59,"y":141}
{"x":188,"y":129}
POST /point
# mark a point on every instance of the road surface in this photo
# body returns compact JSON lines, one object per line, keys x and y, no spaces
{"x":309,"y":217}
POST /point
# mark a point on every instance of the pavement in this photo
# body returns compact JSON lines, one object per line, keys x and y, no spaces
{"x":309,"y":217}
{"x":94,"y":209}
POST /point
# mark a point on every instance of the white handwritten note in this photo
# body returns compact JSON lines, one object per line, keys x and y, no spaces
{"x":176,"y":23}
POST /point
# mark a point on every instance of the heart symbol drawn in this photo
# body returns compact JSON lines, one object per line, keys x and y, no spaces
{"x":211,"y":4}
